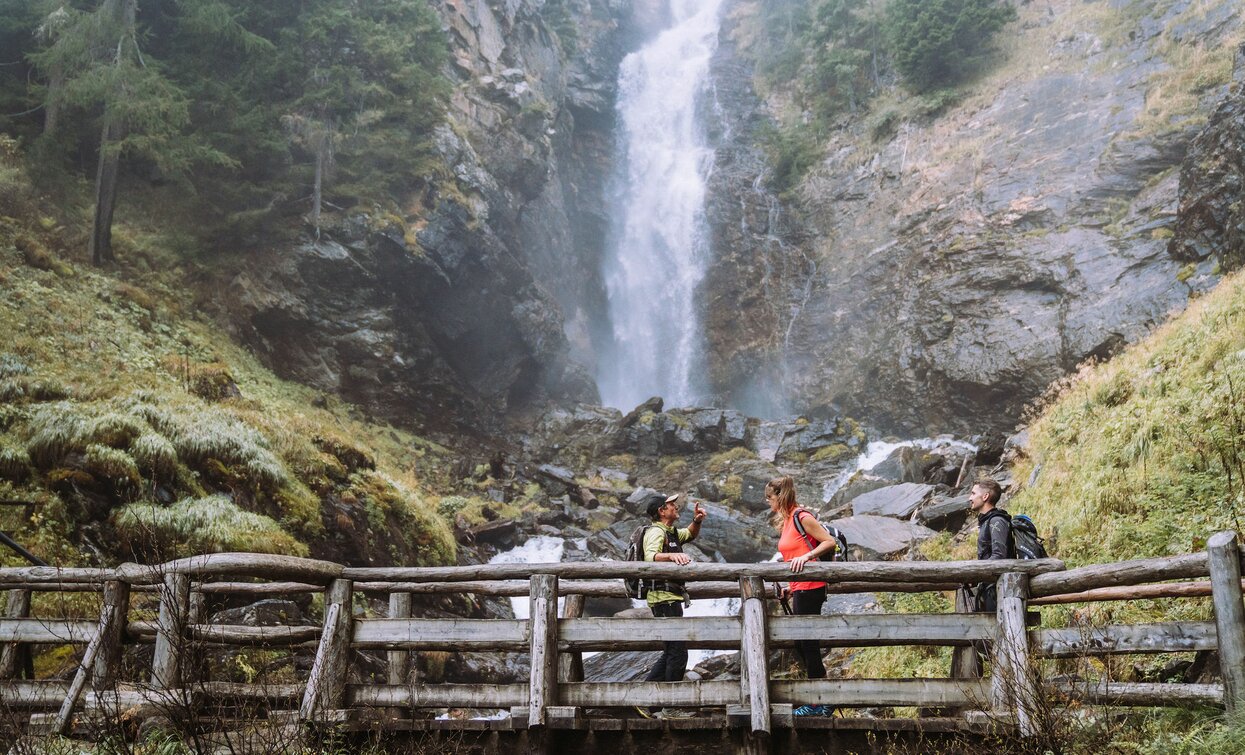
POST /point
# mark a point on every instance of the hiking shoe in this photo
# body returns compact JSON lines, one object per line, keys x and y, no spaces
{"x":813,"y":710}
{"x":672,"y":713}
{"x":646,"y":712}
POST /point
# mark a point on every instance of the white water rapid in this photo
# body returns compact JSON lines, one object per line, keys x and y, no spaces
{"x":659,"y":249}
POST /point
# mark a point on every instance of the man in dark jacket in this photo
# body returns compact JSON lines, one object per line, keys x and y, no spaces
{"x":994,"y":536}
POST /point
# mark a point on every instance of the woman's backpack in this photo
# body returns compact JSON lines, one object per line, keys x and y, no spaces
{"x":840,"y":540}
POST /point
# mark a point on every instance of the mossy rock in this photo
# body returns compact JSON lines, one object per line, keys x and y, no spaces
{"x":351,"y":456}
{"x":37,"y":256}
{"x":835,"y":452}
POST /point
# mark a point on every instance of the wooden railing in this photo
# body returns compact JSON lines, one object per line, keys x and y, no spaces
{"x":556,"y":691}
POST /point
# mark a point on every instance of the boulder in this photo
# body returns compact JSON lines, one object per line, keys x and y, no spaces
{"x":898,"y":501}
{"x":905,"y":464}
{"x":859,"y":484}
{"x":263,"y":613}
{"x":945,"y":514}
{"x":880,"y":538}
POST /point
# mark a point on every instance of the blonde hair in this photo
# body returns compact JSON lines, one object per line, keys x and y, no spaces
{"x":782,"y":488}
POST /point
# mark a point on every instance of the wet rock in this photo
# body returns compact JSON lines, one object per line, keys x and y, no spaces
{"x":897,"y":501}
{"x":880,"y":538}
{"x":944,"y":514}
{"x":858,"y":485}
{"x":905,"y":464}
{"x":626,"y":666}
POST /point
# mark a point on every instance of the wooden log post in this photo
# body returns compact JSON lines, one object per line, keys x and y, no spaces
{"x":16,"y":607}
{"x":753,"y":653}
{"x":965,"y":659}
{"x":571,"y":665}
{"x":170,"y":631}
{"x":1225,"y":581}
{"x":1014,"y":686}
{"x":108,"y":627}
{"x":326,"y":685}
{"x":399,"y":660}
{"x":544,"y":647}
{"x":108,"y":660}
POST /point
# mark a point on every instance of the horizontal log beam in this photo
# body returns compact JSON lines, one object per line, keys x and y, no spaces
{"x":720,"y":632}
{"x":611,"y":694}
{"x":1190,"y":566}
{"x":884,"y":629}
{"x":855,"y":571}
{"x":865,"y":693}
{"x":437,"y":695}
{"x":256,"y":588}
{"x":50,"y":694}
{"x":613,"y":588}
{"x":1131,"y":592}
{"x":48,"y":631}
{"x":441,"y":634}
{"x":265,"y":565}
{"x":239,"y":691}
{"x":1172,"y":637}
{"x":1139,"y":694}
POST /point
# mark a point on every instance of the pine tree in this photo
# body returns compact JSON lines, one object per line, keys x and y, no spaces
{"x":937,"y":43}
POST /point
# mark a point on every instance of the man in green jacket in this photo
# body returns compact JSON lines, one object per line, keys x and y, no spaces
{"x":664,"y":542}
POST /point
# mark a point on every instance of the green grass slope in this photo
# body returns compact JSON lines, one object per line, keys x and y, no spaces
{"x":1144,"y":455}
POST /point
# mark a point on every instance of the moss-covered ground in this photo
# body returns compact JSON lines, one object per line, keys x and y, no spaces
{"x":137,"y":430}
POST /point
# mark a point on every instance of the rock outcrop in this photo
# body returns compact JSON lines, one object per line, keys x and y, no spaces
{"x":480,"y":298}
{"x":948,"y":272}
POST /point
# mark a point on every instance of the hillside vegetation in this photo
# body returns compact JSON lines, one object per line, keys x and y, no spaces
{"x":139,"y":432}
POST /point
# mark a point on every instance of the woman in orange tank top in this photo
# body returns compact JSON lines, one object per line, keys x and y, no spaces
{"x":806,"y":597}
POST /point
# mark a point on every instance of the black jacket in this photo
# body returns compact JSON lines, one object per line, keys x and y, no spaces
{"x":994,"y":536}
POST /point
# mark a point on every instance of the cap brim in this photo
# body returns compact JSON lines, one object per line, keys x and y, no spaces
{"x":678,"y":499}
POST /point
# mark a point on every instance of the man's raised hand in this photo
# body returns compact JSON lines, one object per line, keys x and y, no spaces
{"x":698,"y":514}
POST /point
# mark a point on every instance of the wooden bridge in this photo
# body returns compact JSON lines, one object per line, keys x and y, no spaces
{"x":164,"y":605}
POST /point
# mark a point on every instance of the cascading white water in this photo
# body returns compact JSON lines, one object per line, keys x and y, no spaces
{"x":659,"y":251}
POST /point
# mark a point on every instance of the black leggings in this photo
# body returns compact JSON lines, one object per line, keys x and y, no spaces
{"x":808,"y":603}
{"x":672,"y":664}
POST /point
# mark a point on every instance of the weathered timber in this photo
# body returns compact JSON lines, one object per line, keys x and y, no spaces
{"x":613,"y":588}
{"x":1131,"y":592}
{"x":1171,"y":637}
{"x":571,"y":663}
{"x":336,"y":667}
{"x":884,"y":629}
{"x":1139,"y":694}
{"x":544,"y":647}
{"x":108,"y":660}
{"x":107,"y":620}
{"x":237,"y":634}
{"x":438,"y":695}
{"x":1015,"y":688}
{"x":753,"y":651}
{"x":16,"y":607}
{"x":266,"y":565}
{"x":1188,"y":566}
{"x":609,"y":694}
{"x":869,"y":572}
{"x":48,"y":631}
{"x":399,"y":660}
{"x":52,"y":694}
{"x":965,"y":661}
{"x":867,"y":693}
{"x":719,"y":632}
{"x":442,"y":634}
{"x":55,"y":575}
{"x":311,"y":693}
{"x":170,"y":632}
{"x":257,"y":588}
{"x":240,"y":691}
{"x":1225,"y":578}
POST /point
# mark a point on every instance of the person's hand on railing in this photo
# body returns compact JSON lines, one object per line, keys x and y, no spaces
{"x":797,"y":563}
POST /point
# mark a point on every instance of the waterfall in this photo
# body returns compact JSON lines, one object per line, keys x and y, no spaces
{"x":659,"y":249}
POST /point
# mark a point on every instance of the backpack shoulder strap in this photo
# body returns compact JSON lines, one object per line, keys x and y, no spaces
{"x":799,"y":528}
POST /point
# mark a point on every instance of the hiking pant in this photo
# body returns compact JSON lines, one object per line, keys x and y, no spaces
{"x":672,"y":664}
{"x":808,"y":603}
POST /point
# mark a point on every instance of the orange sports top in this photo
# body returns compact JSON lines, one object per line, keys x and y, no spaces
{"x":790,"y":545}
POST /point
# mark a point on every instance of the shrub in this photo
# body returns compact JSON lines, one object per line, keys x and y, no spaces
{"x":936,"y":43}
{"x":113,"y":465}
{"x":14,"y":463}
{"x":202,"y":525}
{"x":212,"y":434}
{"x":58,"y":429}
{"x":154,"y":454}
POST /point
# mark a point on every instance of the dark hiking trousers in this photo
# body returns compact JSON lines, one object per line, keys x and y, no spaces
{"x":808,"y":603}
{"x":672,"y":664}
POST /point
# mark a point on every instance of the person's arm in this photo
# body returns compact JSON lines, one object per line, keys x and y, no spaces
{"x":653,"y":538}
{"x":825,"y":543}
{"x":698,"y":516}
{"x":999,"y":530}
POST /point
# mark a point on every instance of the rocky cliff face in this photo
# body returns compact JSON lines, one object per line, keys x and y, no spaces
{"x":480,"y":299}
{"x":948,"y":272}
